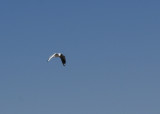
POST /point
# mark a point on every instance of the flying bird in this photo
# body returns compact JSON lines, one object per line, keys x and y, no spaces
{"x":60,"y":55}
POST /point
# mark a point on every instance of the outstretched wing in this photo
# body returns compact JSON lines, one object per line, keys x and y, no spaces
{"x":51,"y":57}
{"x":63,"y":59}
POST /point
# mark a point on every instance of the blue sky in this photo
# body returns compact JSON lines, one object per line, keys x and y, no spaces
{"x":112,"y":51}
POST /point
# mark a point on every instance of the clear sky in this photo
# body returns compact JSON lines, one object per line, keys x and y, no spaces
{"x":112,"y":49}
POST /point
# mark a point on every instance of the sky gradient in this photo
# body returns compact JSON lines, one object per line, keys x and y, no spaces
{"x":112,"y":51}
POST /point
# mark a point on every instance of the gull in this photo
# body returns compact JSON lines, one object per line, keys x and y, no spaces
{"x":60,"y":55}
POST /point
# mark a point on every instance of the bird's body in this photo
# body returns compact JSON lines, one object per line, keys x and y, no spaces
{"x":60,"y":55}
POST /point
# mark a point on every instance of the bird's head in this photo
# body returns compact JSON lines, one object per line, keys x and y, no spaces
{"x":59,"y":54}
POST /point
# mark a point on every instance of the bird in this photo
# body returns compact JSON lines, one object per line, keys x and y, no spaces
{"x":60,"y":55}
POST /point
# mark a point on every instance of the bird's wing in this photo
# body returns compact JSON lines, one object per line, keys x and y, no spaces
{"x":51,"y":57}
{"x":63,"y":59}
